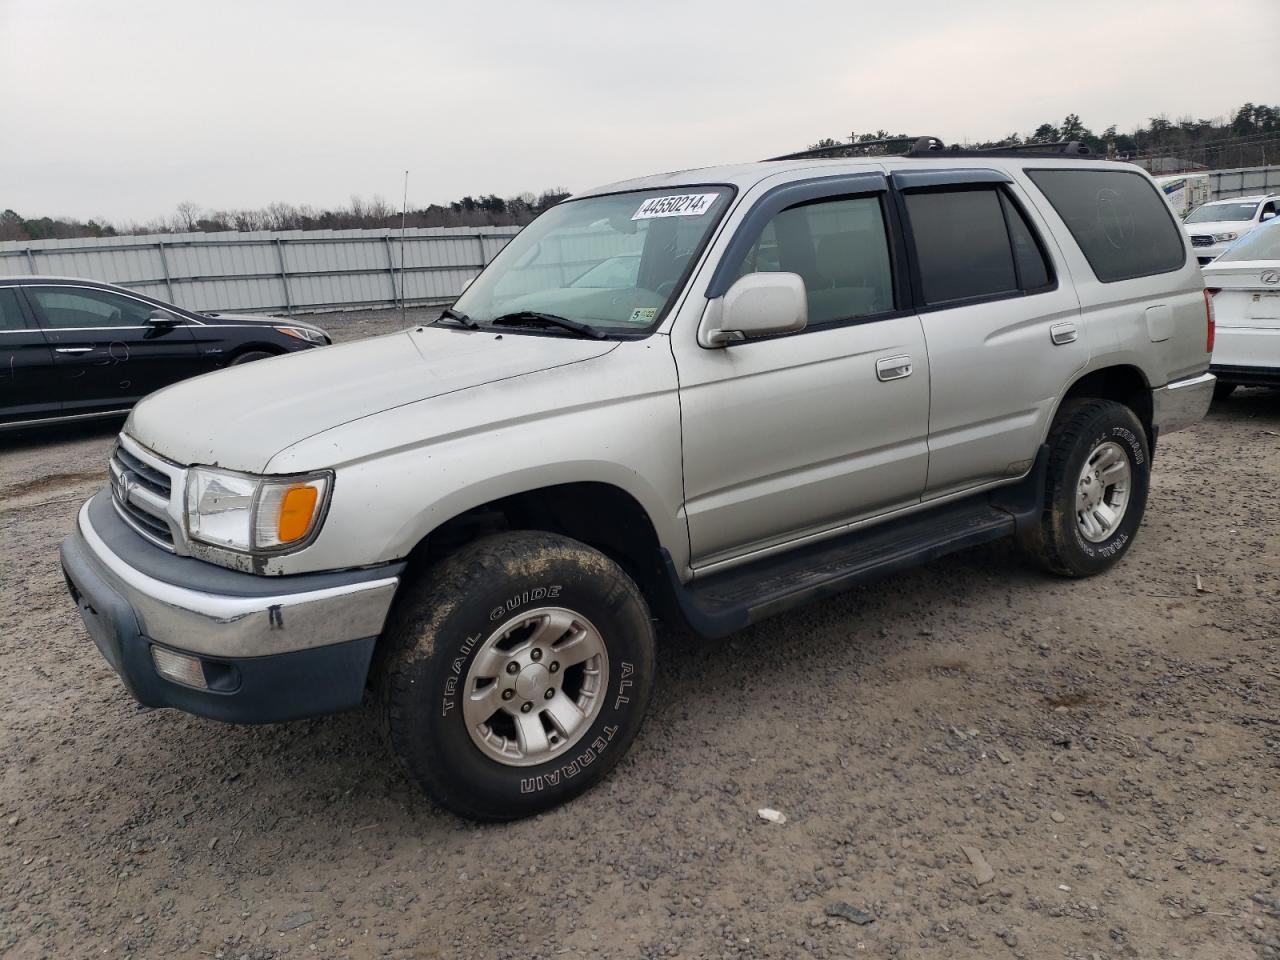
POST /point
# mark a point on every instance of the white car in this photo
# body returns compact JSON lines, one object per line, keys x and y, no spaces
{"x":1216,"y":225}
{"x":1245,"y":286}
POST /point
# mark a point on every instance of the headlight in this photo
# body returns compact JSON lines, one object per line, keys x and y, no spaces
{"x":1220,"y":237}
{"x":303,"y":333}
{"x":251,"y":514}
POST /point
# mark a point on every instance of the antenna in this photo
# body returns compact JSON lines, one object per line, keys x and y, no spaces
{"x":404,"y":212}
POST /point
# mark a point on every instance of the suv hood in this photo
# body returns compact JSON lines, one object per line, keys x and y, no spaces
{"x":240,"y":417}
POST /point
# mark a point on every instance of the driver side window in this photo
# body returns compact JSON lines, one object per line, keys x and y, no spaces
{"x":68,"y":308}
{"x":840,"y":250}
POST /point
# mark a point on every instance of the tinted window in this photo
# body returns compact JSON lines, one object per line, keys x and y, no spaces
{"x":1028,"y":257}
{"x":962,"y":245}
{"x":11,"y":317}
{"x":1119,"y":220}
{"x":839,"y":248}
{"x":65,"y":307}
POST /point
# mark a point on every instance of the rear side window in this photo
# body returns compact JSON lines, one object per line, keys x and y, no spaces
{"x":11,"y":317}
{"x":1123,"y":226}
{"x":973,"y":243}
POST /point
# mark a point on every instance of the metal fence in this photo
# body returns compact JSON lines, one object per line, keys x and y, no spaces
{"x":289,"y":271}
{"x":1244,"y":182}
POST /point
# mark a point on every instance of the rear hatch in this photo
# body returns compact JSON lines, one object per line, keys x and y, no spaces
{"x":1246,"y":309}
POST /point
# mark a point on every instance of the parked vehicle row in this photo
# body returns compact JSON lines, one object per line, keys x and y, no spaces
{"x":1216,"y":225}
{"x":77,"y":349}
{"x":756,"y":385}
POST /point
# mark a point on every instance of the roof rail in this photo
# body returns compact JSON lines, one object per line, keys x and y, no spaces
{"x":919,"y":146}
{"x":1072,"y":148}
{"x":933,"y":147}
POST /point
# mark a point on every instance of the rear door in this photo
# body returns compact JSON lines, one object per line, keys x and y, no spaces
{"x":28,"y":386}
{"x":107,"y":353}
{"x":1000,"y":318}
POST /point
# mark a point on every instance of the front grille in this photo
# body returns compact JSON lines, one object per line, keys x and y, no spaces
{"x":141,"y":490}
{"x":1200,"y":240}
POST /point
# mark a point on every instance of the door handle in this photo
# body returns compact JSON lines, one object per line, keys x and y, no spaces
{"x":1061,"y":333}
{"x":72,"y":349}
{"x":893,"y":368}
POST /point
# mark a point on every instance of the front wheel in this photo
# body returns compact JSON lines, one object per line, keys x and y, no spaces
{"x":249,"y":356}
{"x":517,"y":675}
{"x":1098,"y":475}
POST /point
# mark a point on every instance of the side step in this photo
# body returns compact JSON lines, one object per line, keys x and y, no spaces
{"x":722,"y":603}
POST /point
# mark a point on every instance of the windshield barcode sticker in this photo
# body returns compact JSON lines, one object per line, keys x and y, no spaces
{"x":680,"y":205}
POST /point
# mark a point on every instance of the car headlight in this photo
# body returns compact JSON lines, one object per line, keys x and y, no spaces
{"x":1220,"y":237}
{"x":303,"y":333}
{"x":249,"y":514}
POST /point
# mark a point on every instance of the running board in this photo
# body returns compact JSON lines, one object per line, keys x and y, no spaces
{"x":722,"y":603}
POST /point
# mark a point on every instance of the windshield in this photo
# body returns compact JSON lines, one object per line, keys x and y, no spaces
{"x":611,"y":262}
{"x":1261,"y":244}
{"x":1212,"y":212}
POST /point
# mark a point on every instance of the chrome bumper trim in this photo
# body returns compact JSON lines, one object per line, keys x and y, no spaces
{"x":1181,"y":403}
{"x":227,"y":626}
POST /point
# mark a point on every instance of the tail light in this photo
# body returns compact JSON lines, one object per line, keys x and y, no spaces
{"x":1210,"y":326}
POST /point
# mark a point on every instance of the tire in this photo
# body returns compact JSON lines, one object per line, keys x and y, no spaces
{"x":464,"y":623}
{"x":1076,"y":536}
{"x":249,"y":356}
{"x":1223,"y":390}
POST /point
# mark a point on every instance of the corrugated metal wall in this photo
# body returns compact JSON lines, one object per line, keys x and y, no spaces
{"x":289,"y":271}
{"x":1244,"y":182}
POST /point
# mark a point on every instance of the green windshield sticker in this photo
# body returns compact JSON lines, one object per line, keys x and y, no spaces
{"x":643,"y":314}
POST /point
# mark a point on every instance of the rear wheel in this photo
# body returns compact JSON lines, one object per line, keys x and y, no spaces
{"x":517,"y":675}
{"x":1095,"y":491}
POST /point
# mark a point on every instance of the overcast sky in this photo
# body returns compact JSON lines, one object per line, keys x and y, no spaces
{"x":123,"y":109}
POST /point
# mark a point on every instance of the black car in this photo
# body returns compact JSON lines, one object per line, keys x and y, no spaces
{"x":79,"y":349}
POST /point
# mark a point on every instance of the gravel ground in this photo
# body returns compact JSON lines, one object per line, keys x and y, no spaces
{"x":1108,"y":748}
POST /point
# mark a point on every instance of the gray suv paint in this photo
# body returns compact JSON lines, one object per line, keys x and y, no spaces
{"x":816,"y":371}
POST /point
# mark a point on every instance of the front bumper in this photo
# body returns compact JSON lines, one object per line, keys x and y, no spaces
{"x":1181,"y":403}
{"x":271,"y":648}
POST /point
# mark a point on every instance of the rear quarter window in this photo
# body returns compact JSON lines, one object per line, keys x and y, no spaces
{"x":1122,"y":224}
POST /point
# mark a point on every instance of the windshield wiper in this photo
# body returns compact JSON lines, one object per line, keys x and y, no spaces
{"x":451,"y":314}
{"x":534,"y":318}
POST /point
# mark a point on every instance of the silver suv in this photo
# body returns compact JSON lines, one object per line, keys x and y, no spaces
{"x":709,"y":395}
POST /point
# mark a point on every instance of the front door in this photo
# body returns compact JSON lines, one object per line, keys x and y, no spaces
{"x":28,"y":387}
{"x":107,"y":352}
{"x":799,"y":434}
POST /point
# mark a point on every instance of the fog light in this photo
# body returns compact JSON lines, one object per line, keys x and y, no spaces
{"x":179,"y":668}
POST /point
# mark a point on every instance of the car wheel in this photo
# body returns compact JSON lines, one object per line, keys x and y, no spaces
{"x":516,"y":675}
{"x":1223,"y":390}
{"x":1098,"y":475}
{"x":250,"y":356}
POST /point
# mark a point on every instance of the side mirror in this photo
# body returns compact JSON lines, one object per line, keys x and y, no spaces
{"x":757,"y":305}
{"x":161,"y":318}
{"x":1270,"y":215}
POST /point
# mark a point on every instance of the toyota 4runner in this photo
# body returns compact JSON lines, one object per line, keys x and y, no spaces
{"x":705,"y":396}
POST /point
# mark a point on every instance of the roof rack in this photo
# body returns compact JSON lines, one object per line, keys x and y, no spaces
{"x":933,"y":147}
{"x":919,"y":145}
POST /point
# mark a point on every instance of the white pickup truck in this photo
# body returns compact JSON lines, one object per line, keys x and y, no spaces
{"x":705,"y":397}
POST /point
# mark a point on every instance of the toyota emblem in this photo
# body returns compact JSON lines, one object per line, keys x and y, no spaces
{"x":124,"y":483}
{"x":1271,"y":277}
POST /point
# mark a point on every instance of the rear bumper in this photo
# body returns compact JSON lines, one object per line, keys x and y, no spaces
{"x":1180,"y":403}
{"x":268,"y":648}
{"x":1247,"y":376}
